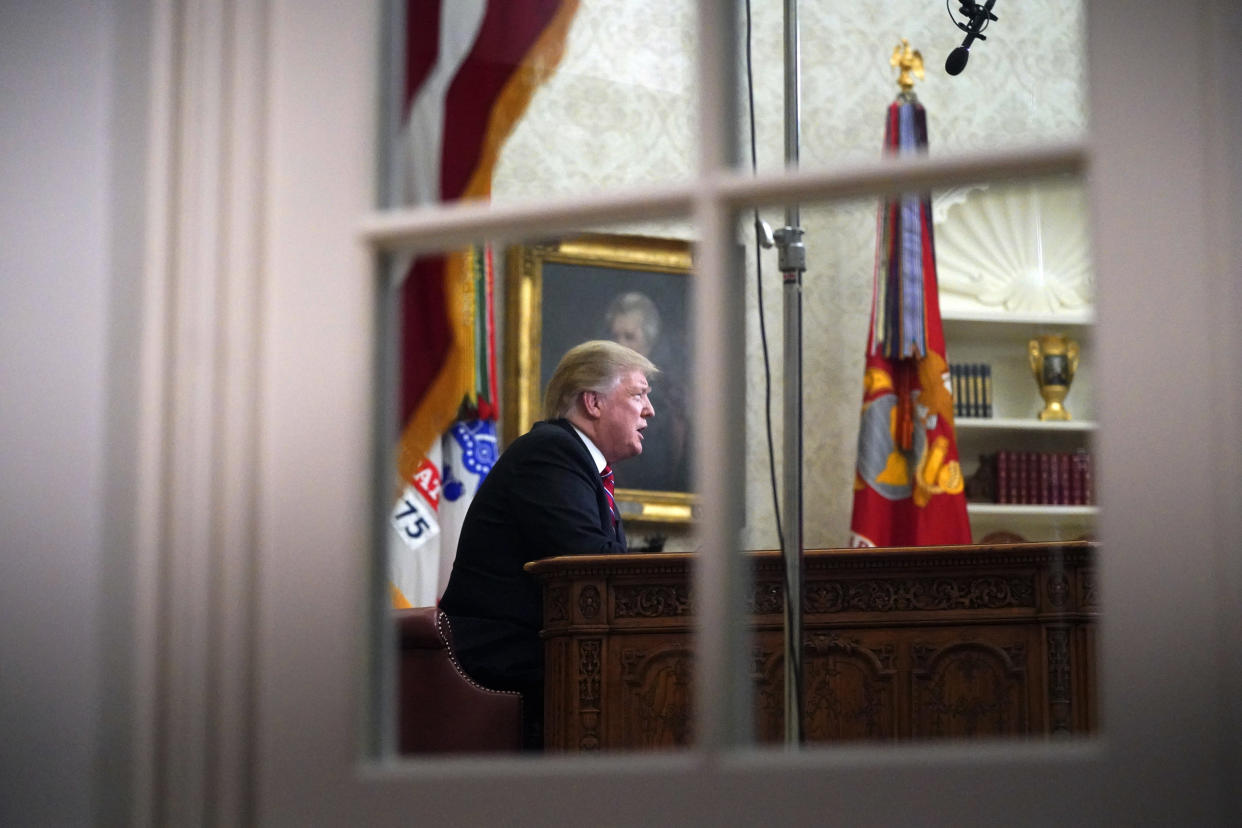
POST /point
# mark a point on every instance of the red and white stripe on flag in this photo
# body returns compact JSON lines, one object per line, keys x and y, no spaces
{"x":471,"y":67}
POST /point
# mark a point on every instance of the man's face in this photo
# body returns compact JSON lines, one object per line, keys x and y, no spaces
{"x":627,"y":329}
{"x":623,"y":416}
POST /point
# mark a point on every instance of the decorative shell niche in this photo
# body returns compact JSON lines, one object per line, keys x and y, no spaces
{"x":1014,"y":249}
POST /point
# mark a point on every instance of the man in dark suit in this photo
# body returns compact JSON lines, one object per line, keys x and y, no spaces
{"x":548,"y":494}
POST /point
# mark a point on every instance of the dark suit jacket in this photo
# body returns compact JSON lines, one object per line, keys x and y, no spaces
{"x":543,"y":498}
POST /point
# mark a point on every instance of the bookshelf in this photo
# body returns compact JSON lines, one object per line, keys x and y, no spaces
{"x":999,"y":341}
{"x":1014,"y":262}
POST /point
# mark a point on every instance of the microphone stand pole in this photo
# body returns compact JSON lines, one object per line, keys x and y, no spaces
{"x":792,"y":261}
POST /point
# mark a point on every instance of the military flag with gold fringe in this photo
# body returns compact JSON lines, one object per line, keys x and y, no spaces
{"x":908,"y":486}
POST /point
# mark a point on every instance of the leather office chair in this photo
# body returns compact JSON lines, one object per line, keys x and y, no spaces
{"x":441,"y":708}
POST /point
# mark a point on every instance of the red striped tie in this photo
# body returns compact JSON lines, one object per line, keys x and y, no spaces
{"x":606,"y":476}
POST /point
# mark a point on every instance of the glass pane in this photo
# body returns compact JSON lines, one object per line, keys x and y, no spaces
{"x":1013,"y":262}
{"x":1025,"y":85}
{"x":983,"y":437}
{"x":499,"y":516}
{"x":984,"y":432}
{"x":520,"y":100}
{"x":922,"y":638}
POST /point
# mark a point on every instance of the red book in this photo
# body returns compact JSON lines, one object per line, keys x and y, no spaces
{"x":1054,"y":478}
{"x":1002,"y":477}
{"x":1077,"y":476}
{"x":1043,"y":462}
{"x":1088,"y":485}
{"x":1063,"y":477}
{"x":1018,"y":473}
{"x":1014,"y":492}
{"x":1030,"y":477}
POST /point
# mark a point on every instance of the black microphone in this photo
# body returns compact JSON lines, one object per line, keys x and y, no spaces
{"x":956,"y":61}
{"x":980,"y":17}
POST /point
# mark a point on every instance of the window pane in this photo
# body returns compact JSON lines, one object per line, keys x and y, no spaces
{"x":486,"y":480}
{"x":920,"y":639}
{"x":539,"y":98}
{"x":925,"y":637}
{"x":980,"y":423}
{"x":1014,"y":273}
{"x":1025,"y":85}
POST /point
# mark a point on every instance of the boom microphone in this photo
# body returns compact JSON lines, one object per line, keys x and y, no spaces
{"x":980,"y":17}
{"x":956,"y":61}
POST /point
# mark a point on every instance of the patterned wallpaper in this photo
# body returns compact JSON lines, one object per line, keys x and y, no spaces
{"x":620,"y":113}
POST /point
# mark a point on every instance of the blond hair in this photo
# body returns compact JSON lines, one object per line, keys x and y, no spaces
{"x":596,"y":365}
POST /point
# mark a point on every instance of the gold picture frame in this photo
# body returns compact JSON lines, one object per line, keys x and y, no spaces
{"x":562,"y":292}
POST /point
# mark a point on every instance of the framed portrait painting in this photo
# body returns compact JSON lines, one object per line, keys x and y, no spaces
{"x":633,"y":290}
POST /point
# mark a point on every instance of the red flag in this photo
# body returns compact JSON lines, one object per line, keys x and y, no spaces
{"x":908,"y":486}
{"x":471,"y":67}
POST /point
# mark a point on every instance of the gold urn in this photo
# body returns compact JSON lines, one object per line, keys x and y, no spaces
{"x":1054,"y":361}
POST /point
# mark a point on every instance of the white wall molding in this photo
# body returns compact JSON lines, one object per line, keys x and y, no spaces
{"x":193,"y":608}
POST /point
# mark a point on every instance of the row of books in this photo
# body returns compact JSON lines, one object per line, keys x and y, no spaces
{"x":972,"y":389}
{"x":1050,"y":478}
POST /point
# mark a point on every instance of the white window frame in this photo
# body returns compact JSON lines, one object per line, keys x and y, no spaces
{"x":256,"y":413}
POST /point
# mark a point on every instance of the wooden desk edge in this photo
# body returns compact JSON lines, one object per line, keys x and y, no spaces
{"x":837,"y":556}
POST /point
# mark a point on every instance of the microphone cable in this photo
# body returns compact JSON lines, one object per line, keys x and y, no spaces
{"x":763,"y":331}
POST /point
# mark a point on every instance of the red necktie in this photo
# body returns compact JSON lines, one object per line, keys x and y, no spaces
{"x":606,"y":476}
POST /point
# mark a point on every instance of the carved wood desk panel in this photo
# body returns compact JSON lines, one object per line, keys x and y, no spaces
{"x":898,"y":644}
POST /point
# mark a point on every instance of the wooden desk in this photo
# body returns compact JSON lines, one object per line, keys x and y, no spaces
{"x":899,"y":644}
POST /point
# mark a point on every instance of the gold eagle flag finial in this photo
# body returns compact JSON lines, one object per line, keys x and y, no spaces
{"x":910,"y":61}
